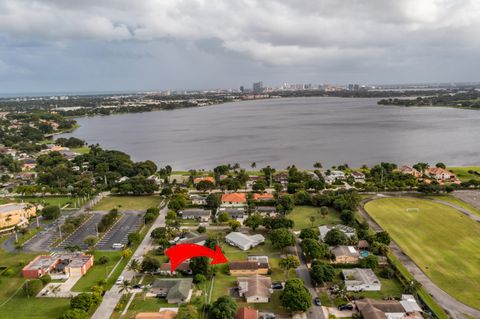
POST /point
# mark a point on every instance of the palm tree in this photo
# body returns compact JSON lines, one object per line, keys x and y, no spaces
{"x":253,"y":165}
{"x":134,"y":265}
{"x":125,"y":286}
{"x":317,"y":165}
{"x":312,"y":219}
{"x":144,"y":292}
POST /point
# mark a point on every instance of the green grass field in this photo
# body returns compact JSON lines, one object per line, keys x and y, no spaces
{"x":458,"y":202}
{"x":128,"y":202}
{"x":14,"y":303}
{"x":463,"y":174}
{"x":301,"y":216}
{"x":442,"y":242}
{"x":46,"y":200}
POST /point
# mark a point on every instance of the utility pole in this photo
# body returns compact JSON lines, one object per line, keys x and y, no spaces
{"x":96,"y":229}
{"x":60,"y":231}
{"x":38,"y":222}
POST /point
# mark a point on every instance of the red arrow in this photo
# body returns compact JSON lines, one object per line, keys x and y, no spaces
{"x":181,"y":252}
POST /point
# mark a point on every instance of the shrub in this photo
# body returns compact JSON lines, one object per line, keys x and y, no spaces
{"x":102,"y":260}
{"x":51,"y":212}
{"x":75,"y":314}
{"x":46,"y":279}
{"x":83,"y":301}
{"x":387,"y":273}
{"x":32,"y":287}
{"x":201,"y":229}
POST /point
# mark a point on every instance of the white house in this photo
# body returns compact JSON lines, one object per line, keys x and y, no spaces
{"x":334,"y":176}
{"x":359,"y":279}
{"x":244,"y":242}
{"x":255,"y":289}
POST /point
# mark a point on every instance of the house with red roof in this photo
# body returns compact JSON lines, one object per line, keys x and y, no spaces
{"x":262,"y":197}
{"x":247,"y":313}
{"x":204,"y":178}
{"x":234,"y":199}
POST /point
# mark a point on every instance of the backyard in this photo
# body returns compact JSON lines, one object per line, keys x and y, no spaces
{"x":435,"y":235}
{"x":301,"y":216}
{"x":128,"y":202}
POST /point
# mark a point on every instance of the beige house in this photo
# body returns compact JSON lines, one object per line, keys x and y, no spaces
{"x":255,"y":289}
{"x":248,"y":267}
{"x":345,"y":255}
{"x":12,"y":215}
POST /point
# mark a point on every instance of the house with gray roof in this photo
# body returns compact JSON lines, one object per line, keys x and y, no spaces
{"x":243,"y":241}
{"x":202,"y":215}
{"x":359,"y":279}
{"x":174,"y":290}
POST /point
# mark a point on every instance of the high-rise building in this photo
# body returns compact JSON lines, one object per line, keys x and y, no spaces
{"x":258,"y":87}
{"x":242,"y":89}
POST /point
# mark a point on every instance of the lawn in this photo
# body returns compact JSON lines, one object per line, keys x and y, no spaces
{"x":45,"y":200}
{"x":141,"y":304}
{"x":19,"y":306}
{"x":458,"y":202}
{"x":99,"y":272}
{"x":301,"y":216}
{"x":463,"y":174}
{"x":442,"y":241}
{"x":128,"y":202}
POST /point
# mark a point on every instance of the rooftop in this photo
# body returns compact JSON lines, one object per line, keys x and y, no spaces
{"x":234,"y":198}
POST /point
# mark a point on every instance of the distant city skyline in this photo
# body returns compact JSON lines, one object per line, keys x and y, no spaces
{"x":58,"y":46}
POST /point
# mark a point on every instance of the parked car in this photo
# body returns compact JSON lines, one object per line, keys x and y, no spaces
{"x":137,"y":286}
{"x":317,"y":301}
{"x":277,"y":285}
{"x":120,"y":280}
{"x":345,"y":307}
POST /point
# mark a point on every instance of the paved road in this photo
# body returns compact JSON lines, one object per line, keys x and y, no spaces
{"x":112,"y":297}
{"x":130,"y":222}
{"x":315,"y":312}
{"x":455,"y":308}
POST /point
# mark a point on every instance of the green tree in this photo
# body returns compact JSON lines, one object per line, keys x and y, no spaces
{"x":296,"y":296}
{"x":82,"y":301}
{"x":223,"y":217}
{"x":311,"y":233}
{"x":213,"y":200}
{"x":32,"y":287}
{"x":90,"y":241}
{"x":200,"y":265}
{"x":51,"y":212}
{"x":234,"y":224}
{"x":187,"y":311}
{"x":322,"y":272}
{"x":282,"y":238}
{"x":347,"y":217}
{"x":223,"y":308}
{"x":134,"y":238}
{"x":371,"y":261}
{"x":75,"y":314}
{"x":324,"y":211}
{"x":313,"y":249}
{"x":335,"y":237}
{"x":150,"y":264}
{"x":288,"y":263}
{"x":253,"y":221}
{"x":383,"y":237}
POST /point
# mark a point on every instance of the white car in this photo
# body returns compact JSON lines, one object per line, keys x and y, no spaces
{"x":120,"y":280}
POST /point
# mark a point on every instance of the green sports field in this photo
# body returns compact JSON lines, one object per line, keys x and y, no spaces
{"x":443,"y":242}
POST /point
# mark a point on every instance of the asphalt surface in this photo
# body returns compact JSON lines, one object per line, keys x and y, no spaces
{"x":86,"y":229}
{"x":315,"y":312}
{"x":129,"y":222}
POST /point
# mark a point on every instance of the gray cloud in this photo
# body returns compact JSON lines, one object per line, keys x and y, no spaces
{"x":271,"y":36}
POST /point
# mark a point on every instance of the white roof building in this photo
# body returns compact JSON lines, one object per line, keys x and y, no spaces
{"x":359,"y":279}
{"x":244,"y":242}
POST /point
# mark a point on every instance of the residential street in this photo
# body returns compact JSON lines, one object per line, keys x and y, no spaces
{"x":315,"y":312}
{"x":112,"y":297}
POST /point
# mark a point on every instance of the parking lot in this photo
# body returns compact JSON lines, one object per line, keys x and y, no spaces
{"x":44,"y":239}
{"x":130,"y":222}
{"x":86,"y":229}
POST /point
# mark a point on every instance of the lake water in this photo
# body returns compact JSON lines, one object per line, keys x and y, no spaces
{"x":300,"y":131}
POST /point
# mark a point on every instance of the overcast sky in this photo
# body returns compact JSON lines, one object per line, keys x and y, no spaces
{"x":100,"y":45}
